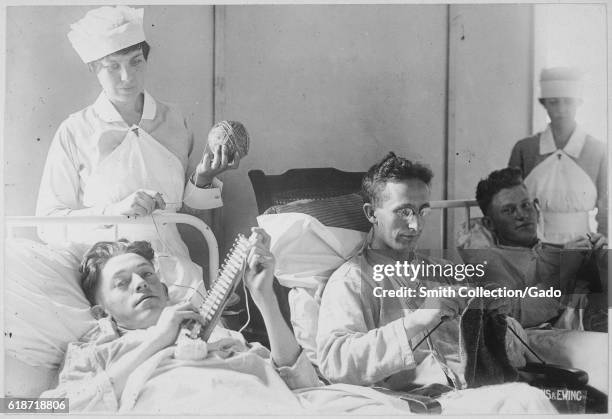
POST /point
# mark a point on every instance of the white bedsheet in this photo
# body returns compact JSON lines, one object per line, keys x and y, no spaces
{"x":246,"y":385}
{"x":237,"y":380}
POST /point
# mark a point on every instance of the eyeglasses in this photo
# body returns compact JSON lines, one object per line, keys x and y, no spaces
{"x":512,"y":210}
{"x":408,"y":212}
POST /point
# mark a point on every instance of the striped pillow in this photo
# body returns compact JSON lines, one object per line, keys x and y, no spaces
{"x":344,"y":211}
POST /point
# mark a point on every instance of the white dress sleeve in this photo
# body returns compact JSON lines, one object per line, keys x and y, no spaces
{"x":195,"y":198}
{"x":203,"y":198}
{"x":59,"y":192}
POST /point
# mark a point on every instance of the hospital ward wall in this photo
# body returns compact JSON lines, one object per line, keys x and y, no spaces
{"x":340,"y":86}
{"x":333,"y":86}
{"x":46,"y":81}
{"x":490,"y":94}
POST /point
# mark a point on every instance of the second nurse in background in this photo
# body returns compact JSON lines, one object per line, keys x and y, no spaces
{"x":563,"y":166}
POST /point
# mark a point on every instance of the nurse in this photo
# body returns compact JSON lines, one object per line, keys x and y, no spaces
{"x":563,"y":166}
{"x":127,"y":153}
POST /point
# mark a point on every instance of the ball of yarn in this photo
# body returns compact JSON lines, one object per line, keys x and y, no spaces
{"x":190,"y":349}
{"x":231,"y":133}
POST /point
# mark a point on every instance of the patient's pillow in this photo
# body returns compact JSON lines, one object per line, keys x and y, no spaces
{"x":45,"y":310}
{"x":307,"y":253}
{"x":344,"y":211}
{"x":45,"y":306}
{"x":182,"y":276}
{"x":474,"y":235}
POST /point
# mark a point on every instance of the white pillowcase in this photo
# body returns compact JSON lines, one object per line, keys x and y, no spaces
{"x":45,"y":309}
{"x":307,"y":251}
{"x":474,"y":235}
{"x":45,"y":306}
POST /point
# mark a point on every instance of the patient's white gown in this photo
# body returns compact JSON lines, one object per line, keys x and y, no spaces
{"x":240,"y":378}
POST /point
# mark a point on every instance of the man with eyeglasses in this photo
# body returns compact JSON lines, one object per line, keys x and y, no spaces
{"x":519,"y":260}
{"x":403,"y":340}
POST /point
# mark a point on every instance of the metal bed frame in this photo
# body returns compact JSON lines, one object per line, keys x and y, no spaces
{"x":13,"y":222}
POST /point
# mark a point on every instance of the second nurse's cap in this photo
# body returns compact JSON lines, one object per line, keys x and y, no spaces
{"x":561,"y":82}
{"x":106,"y":30}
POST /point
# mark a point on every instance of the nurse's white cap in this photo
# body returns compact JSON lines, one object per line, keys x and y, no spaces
{"x":561,"y":82}
{"x":106,"y":30}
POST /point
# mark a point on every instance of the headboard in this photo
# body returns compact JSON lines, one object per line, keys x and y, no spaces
{"x":295,"y":184}
{"x":13,"y":222}
{"x":326,"y":182}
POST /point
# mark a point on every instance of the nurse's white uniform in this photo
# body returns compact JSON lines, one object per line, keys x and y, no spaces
{"x":566,"y":193}
{"x":97,"y":160}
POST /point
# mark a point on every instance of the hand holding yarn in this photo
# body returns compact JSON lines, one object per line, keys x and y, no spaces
{"x":228,"y":142}
{"x":232,"y":134}
{"x":259,"y":273}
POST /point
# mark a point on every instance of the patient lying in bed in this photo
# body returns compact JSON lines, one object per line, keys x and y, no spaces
{"x":127,"y":363}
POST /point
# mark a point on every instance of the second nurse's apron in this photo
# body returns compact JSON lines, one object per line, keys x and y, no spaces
{"x":567,"y":197}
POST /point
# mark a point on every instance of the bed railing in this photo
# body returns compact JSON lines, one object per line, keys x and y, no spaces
{"x":446,"y":229}
{"x":12,"y":222}
{"x":456,"y":203}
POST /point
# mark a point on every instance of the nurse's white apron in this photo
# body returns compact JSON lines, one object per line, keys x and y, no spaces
{"x":141,"y":162}
{"x":567,"y":197}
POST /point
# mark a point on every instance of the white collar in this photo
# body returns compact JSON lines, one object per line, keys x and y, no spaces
{"x":573,"y":146}
{"x":107,"y":111}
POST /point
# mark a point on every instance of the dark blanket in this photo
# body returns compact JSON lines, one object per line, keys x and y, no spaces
{"x":484,"y":342}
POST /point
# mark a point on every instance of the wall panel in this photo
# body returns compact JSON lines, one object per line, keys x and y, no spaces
{"x":337,"y":86}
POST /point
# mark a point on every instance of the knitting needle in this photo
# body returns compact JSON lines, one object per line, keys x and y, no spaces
{"x":526,"y":346}
{"x":442,"y":320}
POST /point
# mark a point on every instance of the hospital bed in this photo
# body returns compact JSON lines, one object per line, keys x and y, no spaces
{"x":45,"y":297}
{"x":313,"y":190}
{"x":37,"y":335}
{"x":13,"y":223}
{"x":23,"y":375}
